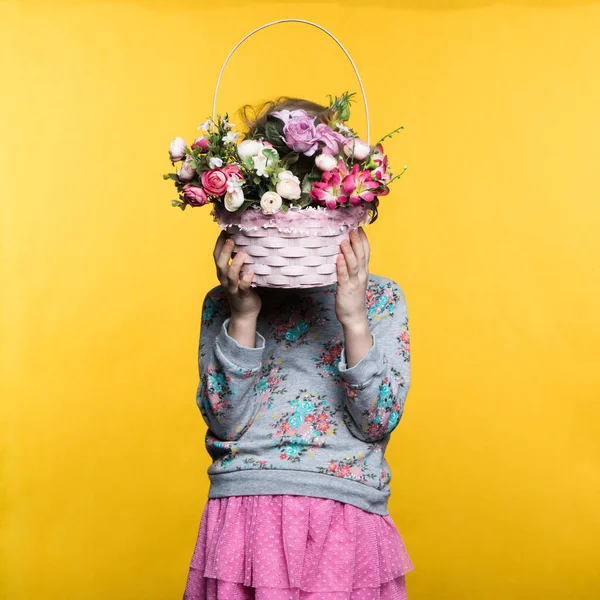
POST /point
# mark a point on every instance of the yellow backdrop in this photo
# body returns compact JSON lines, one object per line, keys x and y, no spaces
{"x":493,"y":233}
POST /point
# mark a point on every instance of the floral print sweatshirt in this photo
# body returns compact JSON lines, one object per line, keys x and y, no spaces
{"x":288,"y":416}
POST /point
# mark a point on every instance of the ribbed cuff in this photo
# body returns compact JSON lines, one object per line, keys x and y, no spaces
{"x":369,"y":366}
{"x":242,"y":357}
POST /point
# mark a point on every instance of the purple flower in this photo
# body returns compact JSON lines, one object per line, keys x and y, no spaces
{"x":299,"y":131}
{"x":333,"y":140}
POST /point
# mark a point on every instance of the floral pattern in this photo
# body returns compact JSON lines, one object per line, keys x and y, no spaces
{"x":290,"y":325}
{"x":304,"y":427}
{"x":381,"y":299}
{"x":214,"y":307}
{"x":351,"y":467}
{"x":214,"y":391}
{"x":327,"y":362}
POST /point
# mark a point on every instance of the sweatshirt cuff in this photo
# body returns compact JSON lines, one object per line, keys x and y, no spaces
{"x":242,"y":357}
{"x":369,"y":366}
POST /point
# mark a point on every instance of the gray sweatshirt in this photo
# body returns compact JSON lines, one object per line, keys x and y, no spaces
{"x":288,"y":416}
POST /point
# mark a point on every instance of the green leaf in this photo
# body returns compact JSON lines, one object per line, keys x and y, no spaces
{"x":244,"y":206}
{"x":289,"y":159}
{"x":270,"y":153}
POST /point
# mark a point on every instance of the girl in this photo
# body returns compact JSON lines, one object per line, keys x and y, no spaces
{"x":300,"y":390}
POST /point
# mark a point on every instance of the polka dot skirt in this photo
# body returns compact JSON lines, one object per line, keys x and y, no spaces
{"x":284,"y":547}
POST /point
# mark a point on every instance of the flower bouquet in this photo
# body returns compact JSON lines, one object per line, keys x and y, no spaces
{"x":289,"y":191}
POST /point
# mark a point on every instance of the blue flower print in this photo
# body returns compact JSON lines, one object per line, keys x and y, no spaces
{"x":306,"y":407}
{"x":291,"y":450}
{"x":393,"y":420}
{"x":294,"y":333}
{"x":295,"y":420}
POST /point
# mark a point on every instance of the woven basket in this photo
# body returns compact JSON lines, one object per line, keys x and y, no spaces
{"x":297,"y":248}
{"x":292,"y":249}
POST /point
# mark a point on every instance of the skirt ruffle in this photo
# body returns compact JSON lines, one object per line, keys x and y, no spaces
{"x":284,"y":547}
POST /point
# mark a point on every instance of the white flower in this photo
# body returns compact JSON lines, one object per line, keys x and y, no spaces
{"x":234,"y":182}
{"x":186,"y":172}
{"x":227,"y":124}
{"x":288,"y":186}
{"x":233,"y":199}
{"x":361,"y":149}
{"x":287,"y":175}
{"x":206,"y":125}
{"x":249,"y":148}
{"x":215,"y":161}
{"x":176,"y":149}
{"x":343,"y":128}
{"x":326,"y":162}
{"x":270,"y":202}
{"x":230,"y":137}
{"x":260,"y":164}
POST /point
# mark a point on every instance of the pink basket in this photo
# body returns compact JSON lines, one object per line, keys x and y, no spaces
{"x":292,"y":249}
{"x":297,"y":248}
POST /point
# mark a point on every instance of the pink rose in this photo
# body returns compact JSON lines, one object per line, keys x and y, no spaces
{"x":332,"y":139}
{"x":202,"y":143}
{"x":194,"y":195}
{"x":215,"y":182}
{"x":231,"y":170}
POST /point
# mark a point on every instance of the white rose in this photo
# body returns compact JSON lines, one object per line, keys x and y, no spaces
{"x":270,"y":202}
{"x":176,"y":149}
{"x":361,"y":149}
{"x":233,"y":199}
{"x":248,"y":148}
{"x":287,"y":175}
{"x":326,"y":162}
{"x":289,"y":188}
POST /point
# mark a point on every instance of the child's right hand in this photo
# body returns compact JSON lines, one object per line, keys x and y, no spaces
{"x":243,"y":300}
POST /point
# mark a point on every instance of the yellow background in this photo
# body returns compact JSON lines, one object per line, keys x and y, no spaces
{"x":493,"y":233}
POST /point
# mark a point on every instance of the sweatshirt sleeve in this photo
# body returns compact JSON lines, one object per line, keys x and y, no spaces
{"x":376,"y":386}
{"x":227,"y":372}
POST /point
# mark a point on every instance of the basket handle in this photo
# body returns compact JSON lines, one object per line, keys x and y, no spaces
{"x":309,"y":23}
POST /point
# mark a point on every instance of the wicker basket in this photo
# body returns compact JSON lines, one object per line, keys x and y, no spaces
{"x":292,"y":249}
{"x":297,"y":248}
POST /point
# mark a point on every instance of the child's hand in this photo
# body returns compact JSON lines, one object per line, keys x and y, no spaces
{"x":243,"y":300}
{"x":352,"y":275}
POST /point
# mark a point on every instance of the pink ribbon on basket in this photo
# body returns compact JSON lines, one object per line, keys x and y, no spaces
{"x":314,"y":220}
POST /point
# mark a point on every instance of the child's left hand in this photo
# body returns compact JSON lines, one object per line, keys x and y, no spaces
{"x":352,"y":274}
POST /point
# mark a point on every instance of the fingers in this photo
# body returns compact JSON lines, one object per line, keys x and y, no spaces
{"x":233,"y":272}
{"x":222,"y":260}
{"x":358,"y":246}
{"x":219,"y":244}
{"x":365,"y":243}
{"x":342,"y":269}
{"x":349,"y":258}
{"x":246,"y":281}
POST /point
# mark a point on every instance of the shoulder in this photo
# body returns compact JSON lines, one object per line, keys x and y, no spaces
{"x":215,"y":304}
{"x":384,"y":297}
{"x":385,"y":284}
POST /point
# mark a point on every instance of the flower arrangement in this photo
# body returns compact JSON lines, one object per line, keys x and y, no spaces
{"x":301,"y":161}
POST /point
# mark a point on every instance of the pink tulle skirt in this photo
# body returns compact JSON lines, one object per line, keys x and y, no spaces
{"x":284,"y":547}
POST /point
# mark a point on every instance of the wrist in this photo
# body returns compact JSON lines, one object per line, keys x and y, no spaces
{"x":356,"y":324}
{"x":242,"y":328}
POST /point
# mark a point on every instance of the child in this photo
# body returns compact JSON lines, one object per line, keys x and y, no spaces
{"x":301,"y":390}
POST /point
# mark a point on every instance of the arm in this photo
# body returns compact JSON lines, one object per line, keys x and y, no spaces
{"x":376,"y":386}
{"x":228,"y":369}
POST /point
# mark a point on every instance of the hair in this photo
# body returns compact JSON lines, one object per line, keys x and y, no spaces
{"x":258,"y":120}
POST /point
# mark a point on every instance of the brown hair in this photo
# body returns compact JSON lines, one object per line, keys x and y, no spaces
{"x":258,"y":120}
